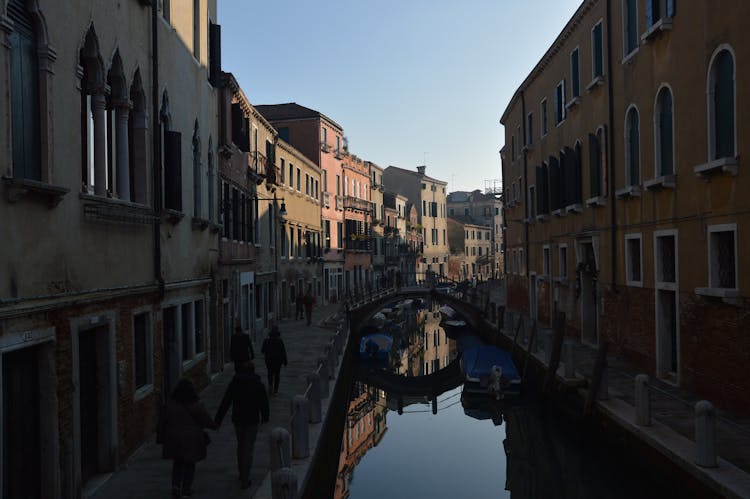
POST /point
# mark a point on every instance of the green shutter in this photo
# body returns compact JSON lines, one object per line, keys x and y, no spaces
{"x":650,"y":17}
{"x":25,"y":106}
{"x":598,"y":55}
{"x":666,"y":134}
{"x":724,"y":105}
{"x":671,"y":8}
{"x":634,"y":148}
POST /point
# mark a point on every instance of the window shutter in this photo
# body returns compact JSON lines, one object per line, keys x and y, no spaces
{"x":557,"y":105}
{"x":671,"y":8}
{"x":240,"y":135}
{"x":214,"y":69}
{"x":649,"y":13}
{"x":554,"y":183}
{"x":539,"y":188}
{"x":594,"y":166}
{"x":666,"y":133}
{"x":172,"y":170}
{"x":598,"y":63}
{"x":724,"y":105}
{"x":575,"y":76}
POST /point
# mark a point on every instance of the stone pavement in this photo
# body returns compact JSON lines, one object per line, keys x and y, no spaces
{"x":147,"y":475}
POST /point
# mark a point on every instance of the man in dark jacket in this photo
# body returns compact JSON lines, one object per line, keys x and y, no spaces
{"x":240,"y":348}
{"x":275,"y":353}
{"x":249,"y":402}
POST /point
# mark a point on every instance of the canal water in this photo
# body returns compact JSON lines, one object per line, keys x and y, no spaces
{"x":394,"y":445}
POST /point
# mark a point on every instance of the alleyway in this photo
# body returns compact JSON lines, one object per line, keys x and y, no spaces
{"x":147,"y":475}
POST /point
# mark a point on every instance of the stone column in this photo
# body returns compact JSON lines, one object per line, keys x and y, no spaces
{"x":122,"y":164}
{"x":99,"y":113}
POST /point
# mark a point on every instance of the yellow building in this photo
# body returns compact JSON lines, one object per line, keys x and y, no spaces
{"x":624,"y":188}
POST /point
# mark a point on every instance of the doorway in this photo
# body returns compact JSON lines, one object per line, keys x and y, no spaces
{"x":95,"y":402}
{"x":21,"y":425}
{"x":667,"y":305}
{"x":170,"y":352}
{"x":588,"y":296}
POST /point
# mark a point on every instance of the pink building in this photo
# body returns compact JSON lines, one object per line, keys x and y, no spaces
{"x":321,"y":140}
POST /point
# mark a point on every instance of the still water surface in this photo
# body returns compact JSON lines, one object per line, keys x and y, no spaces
{"x":472,"y":447}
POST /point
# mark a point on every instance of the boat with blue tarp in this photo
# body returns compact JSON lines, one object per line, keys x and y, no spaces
{"x":375,"y":346}
{"x":490,"y":370}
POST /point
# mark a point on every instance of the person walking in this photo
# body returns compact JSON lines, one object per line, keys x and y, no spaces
{"x":308,"y":301}
{"x":275,"y":354}
{"x":249,"y":402}
{"x":298,"y":306}
{"x":180,"y":430}
{"x":240,"y":348}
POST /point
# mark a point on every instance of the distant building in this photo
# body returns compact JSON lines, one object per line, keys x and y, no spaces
{"x":484,"y":209}
{"x":471,"y":247}
{"x":625,"y":195}
{"x":428,"y":196}
{"x":322,"y":141}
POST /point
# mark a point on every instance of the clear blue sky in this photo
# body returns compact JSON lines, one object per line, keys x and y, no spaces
{"x":402,"y":77}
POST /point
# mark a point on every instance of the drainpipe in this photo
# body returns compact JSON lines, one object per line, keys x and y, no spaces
{"x":525,"y":192}
{"x":611,"y":159}
{"x":156,"y":158}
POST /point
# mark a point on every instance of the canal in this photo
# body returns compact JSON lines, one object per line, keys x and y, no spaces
{"x":412,"y":432}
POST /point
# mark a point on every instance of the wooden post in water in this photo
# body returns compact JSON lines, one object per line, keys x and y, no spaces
{"x":554,"y":359}
{"x":515,"y":336}
{"x":528,"y":350}
{"x":599,"y":367}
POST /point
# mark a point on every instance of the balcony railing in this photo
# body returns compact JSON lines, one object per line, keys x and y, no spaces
{"x":325,"y":147}
{"x":272,"y":172}
{"x":356,"y":204}
{"x":256,"y":162}
{"x":327,"y":199}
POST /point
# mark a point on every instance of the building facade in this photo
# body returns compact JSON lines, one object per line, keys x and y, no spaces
{"x":622,"y":215}
{"x":429,"y":198}
{"x":108,"y":279}
{"x":378,"y":225}
{"x":483,"y":209}
{"x":358,"y":236}
{"x":471,"y":248}
{"x":322,"y":141}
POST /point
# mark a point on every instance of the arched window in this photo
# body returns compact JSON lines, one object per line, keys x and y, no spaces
{"x":197,"y":173}
{"x":117,"y":138}
{"x":578,"y":177}
{"x":721,"y":104}
{"x":24,"y":88}
{"x":664,"y":128}
{"x":93,"y":118}
{"x":171,"y":159}
{"x":138,"y":142}
{"x":632,"y":148}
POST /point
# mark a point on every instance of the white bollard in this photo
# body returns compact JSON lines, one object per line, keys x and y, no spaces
{"x":705,"y":434}
{"x":569,"y":359}
{"x":642,"y":401}
{"x":300,"y":428}
{"x":281,"y":449}
{"x":323,"y":373}
{"x":315,"y":413}
{"x":283,"y":484}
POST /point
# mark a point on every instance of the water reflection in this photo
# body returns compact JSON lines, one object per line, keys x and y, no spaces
{"x":451,"y":444}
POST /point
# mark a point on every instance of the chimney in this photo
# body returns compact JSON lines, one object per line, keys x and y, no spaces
{"x":421,"y":169}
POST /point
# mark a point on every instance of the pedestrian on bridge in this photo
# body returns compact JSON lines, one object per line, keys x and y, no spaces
{"x":275,"y":354}
{"x":249,"y":402}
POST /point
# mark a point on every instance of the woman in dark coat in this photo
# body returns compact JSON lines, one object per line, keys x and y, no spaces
{"x":181,"y":431}
{"x":275,"y":353}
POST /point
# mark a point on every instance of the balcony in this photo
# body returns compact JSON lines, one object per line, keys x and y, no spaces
{"x":327,"y":199}
{"x":340,"y":203}
{"x":325,"y":147}
{"x":272,"y":172}
{"x":356,"y":204}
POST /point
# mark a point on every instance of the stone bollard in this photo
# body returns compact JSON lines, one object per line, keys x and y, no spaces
{"x":323,"y":373}
{"x":315,"y":409}
{"x":603,"y":393}
{"x":332,"y":359}
{"x":705,"y":434}
{"x":281,"y":449}
{"x":569,"y":359}
{"x":283,"y":484}
{"x":300,"y":428}
{"x":642,"y":401}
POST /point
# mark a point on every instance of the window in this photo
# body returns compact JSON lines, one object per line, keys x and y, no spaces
{"x":307,"y":184}
{"x":24,"y":88}
{"x":597,"y":52}
{"x":299,"y":180}
{"x":197,"y":29}
{"x":656,"y":10}
{"x":575,"y":77}
{"x":530,"y":128}
{"x":633,"y":273}
{"x":722,"y":254}
{"x":563,"y":261}
{"x":197,"y":173}
{"x":324,"y":135}
{"x":543,"y":112}
{"x":665,"y":258}
{"x":520,"y":140}
{"x":546,"y":261}
{"x":632,"y":148}
{"x":630,"y":26}
{"x":214,"y":54}
{"x":721,"y":106}
{"x":560,"y":102}
{"x":664,"y":128}
{"x":282,"y":169}
{"x":596,"y":161}
{"x":479,"y":249}
{"x":512,"y":147}
{"x":143,"y":372}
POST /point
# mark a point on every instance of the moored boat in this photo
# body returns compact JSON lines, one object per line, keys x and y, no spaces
{"x":375,"y":346}
{"x":490,"y":370}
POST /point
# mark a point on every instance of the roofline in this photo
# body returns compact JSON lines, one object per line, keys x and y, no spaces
{"x":231,"y":82}
{"x":564,"y":34}
{"x":292,"y":150}
{"x":303,"y":118}
{"x":417,"y":174}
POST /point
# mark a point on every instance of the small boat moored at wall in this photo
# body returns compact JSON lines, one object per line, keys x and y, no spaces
{"x":375,"y":346}
{"x":490,"y":370}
